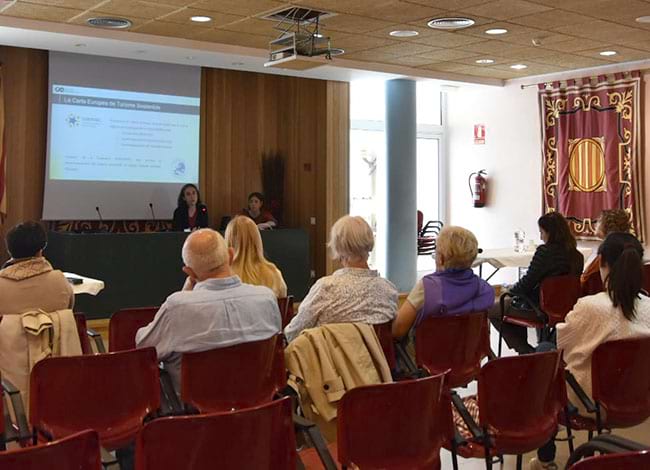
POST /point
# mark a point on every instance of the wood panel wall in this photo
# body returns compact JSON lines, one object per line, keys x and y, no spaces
{"x":25,"y":88}
{"x":246,"y":115}
{"x":243,"y":116}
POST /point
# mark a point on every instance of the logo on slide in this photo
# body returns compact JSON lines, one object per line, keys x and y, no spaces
{"x":179,"y":168}
{"x":73,"y":120}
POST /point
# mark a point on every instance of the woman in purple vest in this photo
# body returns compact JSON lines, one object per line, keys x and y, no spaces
{"x":453,"y":289}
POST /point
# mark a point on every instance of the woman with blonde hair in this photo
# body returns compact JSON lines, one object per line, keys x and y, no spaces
{"x":453,"y":289}
{"x":249,"y":263}
{"x":354,"y":293}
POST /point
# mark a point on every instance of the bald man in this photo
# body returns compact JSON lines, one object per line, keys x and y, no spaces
{"x":215,"y":309}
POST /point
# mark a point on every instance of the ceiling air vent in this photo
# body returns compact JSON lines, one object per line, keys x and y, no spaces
{"x":297,"y":15}
{"x":450,"y":23}
{"x":109,"y":23}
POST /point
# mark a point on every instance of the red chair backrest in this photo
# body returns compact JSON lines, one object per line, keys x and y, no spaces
{"x":517,"y":399}
{"x":125,"y":323}
{"x":420,"y":221}
{"x":234,"y":377}
{"x":625,"y":461}
{"x":458,"y":343}
{"x":79,"y":451}
{"x":110,"y":393}
{"x":620,"y":375}
{"x":558,"y":295}
{"x":252,"y":438}
{"x":285,"y":304}
{"x":2,"y":417}
{"x":82,"y":330}
{"x":391,"y":425}
{"x":385,"y":335}
{"x":593,"y":284}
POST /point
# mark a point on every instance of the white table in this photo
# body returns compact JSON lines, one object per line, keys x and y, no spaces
{"x":88,"y":286}
{"x":509,"y":258}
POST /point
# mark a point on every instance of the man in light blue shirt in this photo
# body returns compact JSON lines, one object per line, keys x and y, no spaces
{"x":214,"y":309}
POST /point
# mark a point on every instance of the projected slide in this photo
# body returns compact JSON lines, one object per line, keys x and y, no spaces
{"x":99,"y":134}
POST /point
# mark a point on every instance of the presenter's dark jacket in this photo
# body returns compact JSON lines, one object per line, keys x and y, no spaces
{"x":182,"y":220}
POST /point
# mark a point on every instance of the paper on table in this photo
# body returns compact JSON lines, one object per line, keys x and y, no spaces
{"x":88,"y":286}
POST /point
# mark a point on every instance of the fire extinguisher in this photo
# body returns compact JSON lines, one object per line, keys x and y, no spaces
{"x":478,"y":187}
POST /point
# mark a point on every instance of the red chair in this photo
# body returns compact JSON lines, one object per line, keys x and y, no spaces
{"x":251,"y":438}
{"x":82,"y":330}
{"x":285,"y":304}
{"x":627,"y":461}
{"x":517,"y":407}
{"x":391,"y":425}
{"x":593,"y":284}
{"x":235,"y":377}
{"x":3,"y":418}
{"x":385,"y":336}
{"x":557,"y":296}
{"x":620,"y":376}
{"x":79,"y":451}
{"x":456,"y":343}
{"x":110,"y":393}
{"x":125,"y":323}
{"x":427,"y":235}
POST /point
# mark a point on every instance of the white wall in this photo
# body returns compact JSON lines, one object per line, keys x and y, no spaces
{"x":511,"y":155}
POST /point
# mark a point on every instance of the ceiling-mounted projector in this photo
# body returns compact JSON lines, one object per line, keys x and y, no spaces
{"x":300,"y":40}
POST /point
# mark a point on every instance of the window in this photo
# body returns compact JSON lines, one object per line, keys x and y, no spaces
{"x":368,"y":158}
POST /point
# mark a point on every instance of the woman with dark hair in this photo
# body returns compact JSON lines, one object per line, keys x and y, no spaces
{"x":622,"y":311}
{"x":255,"y":210}
{"x":558,"y":255}
{"x":191,"y":213}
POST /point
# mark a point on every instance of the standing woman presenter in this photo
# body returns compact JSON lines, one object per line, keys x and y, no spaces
{"x":191,"y":213}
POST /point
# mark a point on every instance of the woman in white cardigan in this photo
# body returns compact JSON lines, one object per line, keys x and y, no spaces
{"x":621,"y":311}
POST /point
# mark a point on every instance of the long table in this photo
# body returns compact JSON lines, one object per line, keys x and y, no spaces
{"x":142,"y":269}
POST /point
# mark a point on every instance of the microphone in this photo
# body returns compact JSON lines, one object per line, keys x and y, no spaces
{"x":153,"y":214}
{"x":101,"y":221}
{"x":203,"y":208}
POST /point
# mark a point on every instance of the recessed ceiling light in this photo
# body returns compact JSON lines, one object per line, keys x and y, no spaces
{"x":109,"y":22}
{"x":608,"y":53}
{"x":201,"y":19}
{"x":643,"y":19}
{"x":81,"y":44}
{"x":519,"y":66}
{"x":403,"y":34}
{"x":140,"y":51}
{"x":190,"y":57}
{"x":237,"y":64}
{"x":485,"y":61}
{"x":496,"y":31}
{"x":450,"y":23}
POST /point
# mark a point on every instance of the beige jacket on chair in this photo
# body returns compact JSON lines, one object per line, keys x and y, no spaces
{"x":325,"y":362}
{"x":34,"y":297}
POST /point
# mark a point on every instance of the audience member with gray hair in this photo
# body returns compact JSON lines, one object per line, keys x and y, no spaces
{"x":352,"y":294}
{"x":215,"y":309}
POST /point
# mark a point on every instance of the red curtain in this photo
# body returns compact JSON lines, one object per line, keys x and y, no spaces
{"x":591,"y":149}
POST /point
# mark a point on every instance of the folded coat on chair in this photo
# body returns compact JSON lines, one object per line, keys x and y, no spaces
{"x":327,"y":361}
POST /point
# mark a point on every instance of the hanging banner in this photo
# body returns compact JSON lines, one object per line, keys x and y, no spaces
{"x":591,"y":150}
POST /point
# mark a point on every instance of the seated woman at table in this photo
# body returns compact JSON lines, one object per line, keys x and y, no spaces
{"x":453,"y":289}
{"x":556,"y":256}
{"x":610,"y":221}
{"x":191,"y":213}
{"x":255,"y":210}
{"x":621,"y":312}
{"x":354,"y":293}
{"x":249,"y":262}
